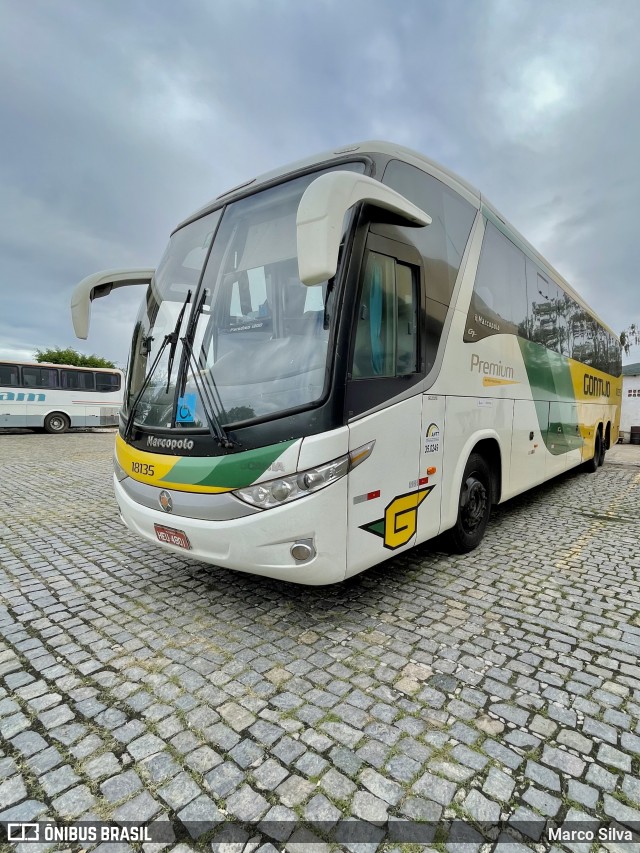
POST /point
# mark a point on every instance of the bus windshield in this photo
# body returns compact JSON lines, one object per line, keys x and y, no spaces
{"x":260,"y":340}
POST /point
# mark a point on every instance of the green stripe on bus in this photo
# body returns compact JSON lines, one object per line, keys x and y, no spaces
{"x":552,"y":391}
{"x":548,"y":372}
{"x":226,"y":472}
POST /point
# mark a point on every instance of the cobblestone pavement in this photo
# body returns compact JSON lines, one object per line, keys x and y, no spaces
{"x":136,"y":685}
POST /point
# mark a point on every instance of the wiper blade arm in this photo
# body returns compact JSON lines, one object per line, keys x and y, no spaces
{"x":189,"y":336}
{"x":210,"y":404}
{"x":173,"y":339}
{"x":215,"y":427}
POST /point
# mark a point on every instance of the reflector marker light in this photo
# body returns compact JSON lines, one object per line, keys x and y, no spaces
{"x":370,"y":496}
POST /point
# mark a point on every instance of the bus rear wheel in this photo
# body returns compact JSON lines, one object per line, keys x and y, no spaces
{"x":56,"y":422}
{"x":603,"y":450}
{"x":474,"y":506}
{"x":591,"y":465}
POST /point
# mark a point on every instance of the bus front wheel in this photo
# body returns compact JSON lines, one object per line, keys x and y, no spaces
{"x":56,"y":422}
{"x":474,"y":506}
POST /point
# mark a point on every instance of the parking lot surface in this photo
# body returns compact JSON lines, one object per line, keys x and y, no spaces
{"x":501,"y":688}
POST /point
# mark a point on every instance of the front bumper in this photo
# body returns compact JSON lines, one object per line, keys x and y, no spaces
{"x":260,"y":543}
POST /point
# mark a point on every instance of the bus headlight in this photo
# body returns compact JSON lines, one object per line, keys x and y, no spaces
{"x":286,"y":489}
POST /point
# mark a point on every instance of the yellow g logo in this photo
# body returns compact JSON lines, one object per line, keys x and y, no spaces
{"x":400,"y":520}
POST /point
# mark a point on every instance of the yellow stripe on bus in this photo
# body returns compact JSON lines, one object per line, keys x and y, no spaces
{"x":154,"y":468}
{"x":594,"y":386}
{"x":490,"y":381}
{"x":597,"y":387}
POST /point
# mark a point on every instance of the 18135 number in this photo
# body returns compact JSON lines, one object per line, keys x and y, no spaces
{"x":143,"y":468}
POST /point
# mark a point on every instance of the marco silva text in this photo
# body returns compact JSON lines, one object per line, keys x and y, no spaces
{"x":600,"y":833}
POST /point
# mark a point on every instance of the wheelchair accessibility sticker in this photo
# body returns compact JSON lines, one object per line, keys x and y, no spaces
{"x":186,"y":409}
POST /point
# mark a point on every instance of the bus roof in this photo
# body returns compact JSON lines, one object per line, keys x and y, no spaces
{"x":414,"y":158}
{"x":64,"y":366}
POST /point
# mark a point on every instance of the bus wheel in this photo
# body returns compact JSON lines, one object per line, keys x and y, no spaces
{"x":474,"y":506}
{"x":603,"y":450}
{"x":56,"y":422}
{"x":591,"y":465}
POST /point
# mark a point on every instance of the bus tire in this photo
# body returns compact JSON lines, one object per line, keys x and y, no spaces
{"x":474,"y":506}
{"x":56,"y":422}
{"x":603,"y":450}
{"x":591,"y":465}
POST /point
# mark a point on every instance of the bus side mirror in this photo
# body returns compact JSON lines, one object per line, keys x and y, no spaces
{"x":97,"y":285}
{"x":321,"y":214}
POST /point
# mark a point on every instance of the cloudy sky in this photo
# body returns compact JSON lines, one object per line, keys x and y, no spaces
{"x":121,"y":117}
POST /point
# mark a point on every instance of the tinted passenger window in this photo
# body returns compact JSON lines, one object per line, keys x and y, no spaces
{"x":40,"y":377}
{"x":543,"y":296}
{"x":386,"y":332}
{"x":602,"y":356}
{"x":443,"y":242}
{"x":582,"y":336}
{"x":499,"y":300}
{"x":615,"y":356}
{"x":407,"y":320}
{"x":77,"y":380}
{"x":107,"y":381}
{"x":8,"y":375}
{"x":565,"y":307}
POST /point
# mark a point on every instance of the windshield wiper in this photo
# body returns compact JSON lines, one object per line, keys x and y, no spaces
{"x":215,"y":427}
{"x":211,"y":403}
{"x":172,"y":339}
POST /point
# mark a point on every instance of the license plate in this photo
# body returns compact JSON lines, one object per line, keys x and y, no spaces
{"x":172,"y":536}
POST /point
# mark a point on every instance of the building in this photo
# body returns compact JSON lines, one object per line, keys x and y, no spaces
{"x":630,"y":415}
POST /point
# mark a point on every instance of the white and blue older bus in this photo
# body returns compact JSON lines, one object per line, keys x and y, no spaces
{"x":344,"y":358}
{"x":55,"y":397}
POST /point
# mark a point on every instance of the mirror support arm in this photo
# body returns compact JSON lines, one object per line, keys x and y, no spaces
{"x":321,"y":214}
{"x":97,"y":285}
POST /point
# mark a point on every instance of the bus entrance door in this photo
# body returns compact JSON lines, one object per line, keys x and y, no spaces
{"x":383,"y":496}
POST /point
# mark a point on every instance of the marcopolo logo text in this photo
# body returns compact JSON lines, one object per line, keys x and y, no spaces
{"x":170,"y":443}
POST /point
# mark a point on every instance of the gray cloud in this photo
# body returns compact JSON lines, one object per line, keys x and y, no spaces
{"x":119,"y":119}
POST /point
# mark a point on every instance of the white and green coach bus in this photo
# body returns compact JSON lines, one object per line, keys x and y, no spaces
{"x":344,"y":358}
{"x":57,"y":397}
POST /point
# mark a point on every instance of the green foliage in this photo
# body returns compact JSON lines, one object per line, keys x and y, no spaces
{"x":240,"y":413}
{"x":72,"y":357}
{"x":630,"y":337}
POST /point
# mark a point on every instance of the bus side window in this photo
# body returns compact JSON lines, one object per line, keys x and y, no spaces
{"x":77,"y":380}
{"x":107,"y":382}
{"x":40,"y":377}
{"x":9,"y":375}
{"x":386,"y":331}
{"x":407,"y":323}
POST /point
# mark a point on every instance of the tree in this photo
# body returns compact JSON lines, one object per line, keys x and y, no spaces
{"x":71,"y":356}
{"x":630,"y":337}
